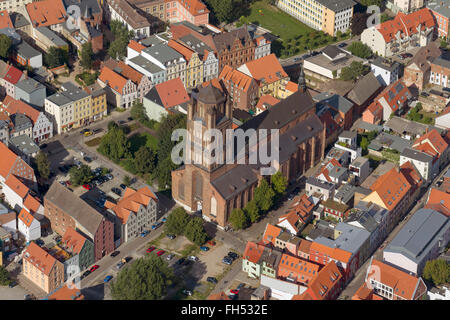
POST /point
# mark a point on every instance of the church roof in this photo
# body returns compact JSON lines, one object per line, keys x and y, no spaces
{"x":210,"y":94}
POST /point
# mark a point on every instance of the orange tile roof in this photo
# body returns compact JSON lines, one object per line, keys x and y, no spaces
{"x":411,"y":174}
{"x":298,"y":213}
{"x":5,"y":20}
{"x":186,"y":52}
{"x":402,"y":283}
{"x":364,"y":293}
{"x":26,"y":217}
{"x":304,"y":296}
{"x":39,"y":258}
{"x":396,"y":96}
{"x":271,"y":233}
{"x":330,"y":164}
{"x":438,"y":197}
{"x":291,"y":86}
{"x":253,"y":251}
{"x":73,"y":240}
{"x":435,"y":140}
{"x":7,"y":217}
{"x":125,"y":70}
{"x":266,"y":99}
{"x":17,"y":186}
{"x":267,"y":68}
{"x":214,"y":82}
{"x":407,"y":25}
{"x":391,"y":188}
{"x":195,"y":7}
{"x":12,"y":106}
{"x":31,"y":203}
{"x":333,"y":253}
{"x":305,"y":246}
{"x":66,"y":293}
{"x":132,"y":201}
{"x":7,"y":160}
{"x":239,"y":79}
{"x":136,"y":46}
{"x":298,"y":269}
{"x":172,"y":93}
{"x":327,"y":278}
{"x":46,"y":13}
{"x":109,"y":204}
{"x":112,"y":79}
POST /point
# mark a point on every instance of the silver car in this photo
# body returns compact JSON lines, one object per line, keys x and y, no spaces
{"x":169,"y":257}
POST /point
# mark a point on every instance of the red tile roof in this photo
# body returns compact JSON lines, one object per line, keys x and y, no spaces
{"x":333,"y":253}
{"x":73,"y":240}
{"x":267,"y":68}
{"x":364,"y":293}
{"x":112,"y":79}
{"x":136,"y":46}
{"x":327,"y":279}
{"x":239,"y":79}
{"x":266,"y":99}
{"x":46,"y":13}
{"x":7,"y":160}
{"x":124,"y":70}
{"x":297,"y":269}
{"x":407,"y":25}
{"x":39,"y":258}
{"x":218,"y":296}
{"x":132,"y":201}
{"x":305,"y":246}
{"x":5,"y":20}
{"x":186,"y":52}
{"x":172,"y":93}
{"x":26,"y":217}
{"x":13,"y":75}
{"x":298,"y":213}
{"x":12,"y":106}
{"x":411,"y":174}
{"x":291,"y":86}
{"x":253,"y":252}
{"x":434,"y":140}
{"x":327,"y":167}
{"x":391,"y":187}
{"x":66,"y":293}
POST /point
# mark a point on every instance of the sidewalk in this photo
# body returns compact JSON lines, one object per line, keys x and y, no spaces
{"x":31,"y":287}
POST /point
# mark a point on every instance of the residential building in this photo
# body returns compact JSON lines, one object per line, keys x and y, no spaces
{"x":401,"y":34}
{"x":21,"y":125}
{"x":46,"y":38}
{"x":120,"y":91}
{"x":332,"y":172}
{"x":28,"y":226}
{"x":268,"y":73}
{"x":12,"y":165}
{"x":41,"y":268}
{"x":77,"y":244}
{"x":99,"y":105}
{"x":24,"y":146}
{"x":46,"y":13}
{"x":260,"y":260}
{"x":423,"y":162}
{"x":440,"y":71}
{"x":31,"y":91}
{"x":386,"y":141}
{"x":438,"y":200}
{"x":166,"y":98}
{"x":393,"y":284}
{"x":265,"y":102}
{"x":262,"y":47}
{"x":13,"y":6}
{"x":216,"y":190}
{"x":122,"y":11}
{"x":61,"y":112}
{"x":155,"y":8}
{"x":341,"y":109}
{"x":8,"y":226}
{"x":297,"y":270}
{"x":412,"y":247}
{"x":418,"y":71}
{"x":386,"y":71}
{"x":90,"y":11}
{"x":299,"y":214}
{"x":281,"y":289}
{"x":441,"y":13}
{"x":363,"y":93}
{"x":443,"y":120}
{"x":193,"y":11}
{"x":242,"y":89}
{"x":26,"y":55}
{"x":407,"y":129}
{"x":81,"y":102}
{"x":433,"y":144}
{"x":4,"y":128}
{"x":334,"y":209}
{"x":42,"y":126}
{"x":442,"y":293}
{"x":10,"y":79}
{"x":329,"y":64}
{"x":360,"y":167}
{"x":66,"y":292}
{"x":319,"y":188}
{"x":194,"y":64}
{"x":135,"y":213}
{"x":64,"y":209}
{"x":408,"y":6}
{"x":329,"y":16}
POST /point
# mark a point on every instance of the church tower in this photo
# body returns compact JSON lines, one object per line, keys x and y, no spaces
{"x":301,"y":80}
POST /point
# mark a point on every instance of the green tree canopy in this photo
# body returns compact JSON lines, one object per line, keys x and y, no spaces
{"x":81,"y":175}
{"x":146,"y":279}
{"x":252,"y":211}
{"x":177,"y":221}
{"x":195,"y":231}
{"x":145,"y":160}
{"x":43,"y":165}
{"x":56,"y":57}
{"x":238,"y":219}
{"x":360,"y":49}
{"x":354,"y":71}
{"x":279,"y":184}
{"x":5,"y":45}
{"x":264,"y":195}
{"x":115,"y":144}
{"x":118,"y":48}
{"x":86,"y":55}
{"x":126,"y":181}
{"x":4,"y":276}
{"x":437,"y":271}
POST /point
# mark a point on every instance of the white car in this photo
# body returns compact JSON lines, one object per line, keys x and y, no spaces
{"x":193,"y":258}
{"x":169,"y":257}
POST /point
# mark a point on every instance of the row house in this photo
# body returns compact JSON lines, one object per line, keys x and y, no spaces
{"x":438,"y":200}
{"x":363,"y":93}
{"x":42,"y":269}
{"x":440,"y":12}
{"x":407,"y":6}
{"x":298,"y":216}
{"x":194,"y":65}
{"x":135,"y":213}
{"x":28,"y":226}
{"x":260,"y":260}
{"x":9,"y":76}
{"x":297,"y":270}
{"x":386,"y":71}
{"x":401,"y":34}
{"x":46,"y":13}
{"x":242,"y":89}
{"x":81,"y":102}
{"x":42,"y":126}
{"x":418,"y":70}
{"x":31,"y":91}
{"x":440,"y":71}
{"x":193,"y":11}
{"x":76,"y":244}
{"x":433,"y":144}
{"x":13,"y":165}
{"x":425,"y":164}
{"x":122,"y":11}
{"x":64,"y":209}
{"x":13,"y":5}
{"x":99,"y":105}
{"x":120,"y":91}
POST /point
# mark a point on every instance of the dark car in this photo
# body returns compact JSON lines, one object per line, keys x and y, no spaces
{"x":88,"y":159}
{"x":44,"y":145}
{"x":123,"y":186}
{"x":233,"y":255}
{"x":39,"y":242}
{"x":212,"y":280}
{"x":115,"y":253}
{"x":98,"y":130}
{"x":315,"y":53}
{"x":227,"y":260}
{"x":84,"y":130}
{"x":12,"y":284}
{"x":130,"y":119}
{"x":86,"y":273}
{"x":341,"y":45}
{"x":171,"y":236}
{"x":180,"y":261}
{"x":117,"y":191}
{"x":128,"y":259}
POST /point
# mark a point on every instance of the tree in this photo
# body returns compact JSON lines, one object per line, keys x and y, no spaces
{"x":252,"y":211}
{"x":385,"y":17}
{"x":115,"y":145}
{"x":137,"y":111}
{"x":437,"y":271}
{"x":145,"y":160}
{"x":146,"y":279}
{"x":86,"y":55}
{"x":127,"y":181}
{"x":81,"y":175}
{"x":5,"y":45}
{"x":360,"y":49}
{"x":177,"y":221}
{"x":118,"y":48}
{"x":112,"y":124}
{"x":359,"y":23}
{"x":264,"y":195}
{"x":354,"y":71}
{"x":4,"y":276}
{"x":279,"y":183}
{"x":364,"y":144}
{"x":368,"y":3}
{"x":56,"y":57}
{"x":195,"y":231}
{"x":43,"y":165}
{"x":238,"y":219}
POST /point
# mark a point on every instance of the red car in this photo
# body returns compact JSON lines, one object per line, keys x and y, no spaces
{"x":94,"y":267}
{"x":234,"y":291}
{"x":87,"y":186}
{"x":211,"y":242}
{"x":160,"y":253}
{"x":151,"y":249}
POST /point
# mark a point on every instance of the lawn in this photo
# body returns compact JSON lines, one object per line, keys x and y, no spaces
{"x":278,"y":22}
{"x":143,"y":139}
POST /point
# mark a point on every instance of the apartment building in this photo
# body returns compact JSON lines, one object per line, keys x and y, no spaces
{"x":81,"y":102}
{"x":156,"y":8}
{"x":99,"y":106}
{"x":407,"y":6}
{"x":13,"y":5}
{"x":440,"y":71}
{"x":31,"y":91}
{"x":194,"y":11}
{"x":441,"y":12}
{"x":120,"y":92}
{"x":122,"y":11}
{"x":194,"y":65}
{"x":61,"y":111}
{"x":46,"y":13}
{"x":329,"y":16}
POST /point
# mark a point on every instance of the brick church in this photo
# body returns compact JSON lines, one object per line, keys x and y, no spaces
{"x":216,"y":189}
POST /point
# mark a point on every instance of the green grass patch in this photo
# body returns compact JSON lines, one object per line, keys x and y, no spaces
{"x":118,"y":109}
{"x":142,"y":139}
{"x":155,"y":242}
{"x":391,"y":155}
{"x":93,"y":142}
{"x":190,"y":250}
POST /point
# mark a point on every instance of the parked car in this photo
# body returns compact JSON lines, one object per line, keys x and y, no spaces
{"x":341,"y":45}
{"x":94,"y":267}
{"x":227,"y":261}
{"x":107,"y":278}
{"x":203,"y":248}
{"x":150,"y":249}
{"x":84,"y":131}
{"x":212,"y":280}
{"x":296,"y":59}
{"x":86,"y":273}
{"x":119,"y":265}
{"x":211,"y":242}
{"x":171,"y":236}
{"x":160,"y":253}
{"x":164,"y":219}
{"x":234,"y":291}
{"x":98,"y":130}
{"x":123,"y":186}
{"x":39,"y":242}
{"x":87,"y":159}
{"x":28,"y":297}
{"x":115,"y":253}
{"x":87,"y":186}
{"x":187,"y":292}
{"x":44,"y":145}
{"x":193,"y":258}
{"x":117,"y":191}
{"x":88,"y":133}
{"x":233,"y":255}
{"x":121,"y":122}
{"x":180,"y":261}
{"x":156,"y":225}
{"x":169,"y":257}
{"x":144,"y":233}
{"x":12,"y":284}
{"x":127,"y":259}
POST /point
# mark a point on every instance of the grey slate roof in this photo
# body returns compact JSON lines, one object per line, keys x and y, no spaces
{"x":345,"y":193}
{"x":364,"y":89}
{"x":27,"y":51}
{"x":385,"y":64}
{"x":416,"y":155}
{"x":401,"y":126}
{"x":59,"y":99}
{"x":319,"y":183}
{"x":25,"y":144}
{"x":146,"y":64}
{"x":443,"y":9}
{"x":359,"y":162}
{"x":337,"y":5}
{"x":163,"y":53}
{"x":18,"y":20}
{"x":351,"y":239}
{"x":386,"y":140}
{"x":442,"y":61}
{"x":12,"y":34}
{"x":72,"y":92}
{"x":420,"y":234}
{"x":334,"y":100}
{"x":29,"y":85}
{"x":87,"y":7}
{"x":348,"y":134}
{"x":195,"y":44}
{"x":56,"y":40}
{"x":332,"y":51}
{"x":21,"y":122}
{"x":87,"y":218}
{"x":151,"y":41}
